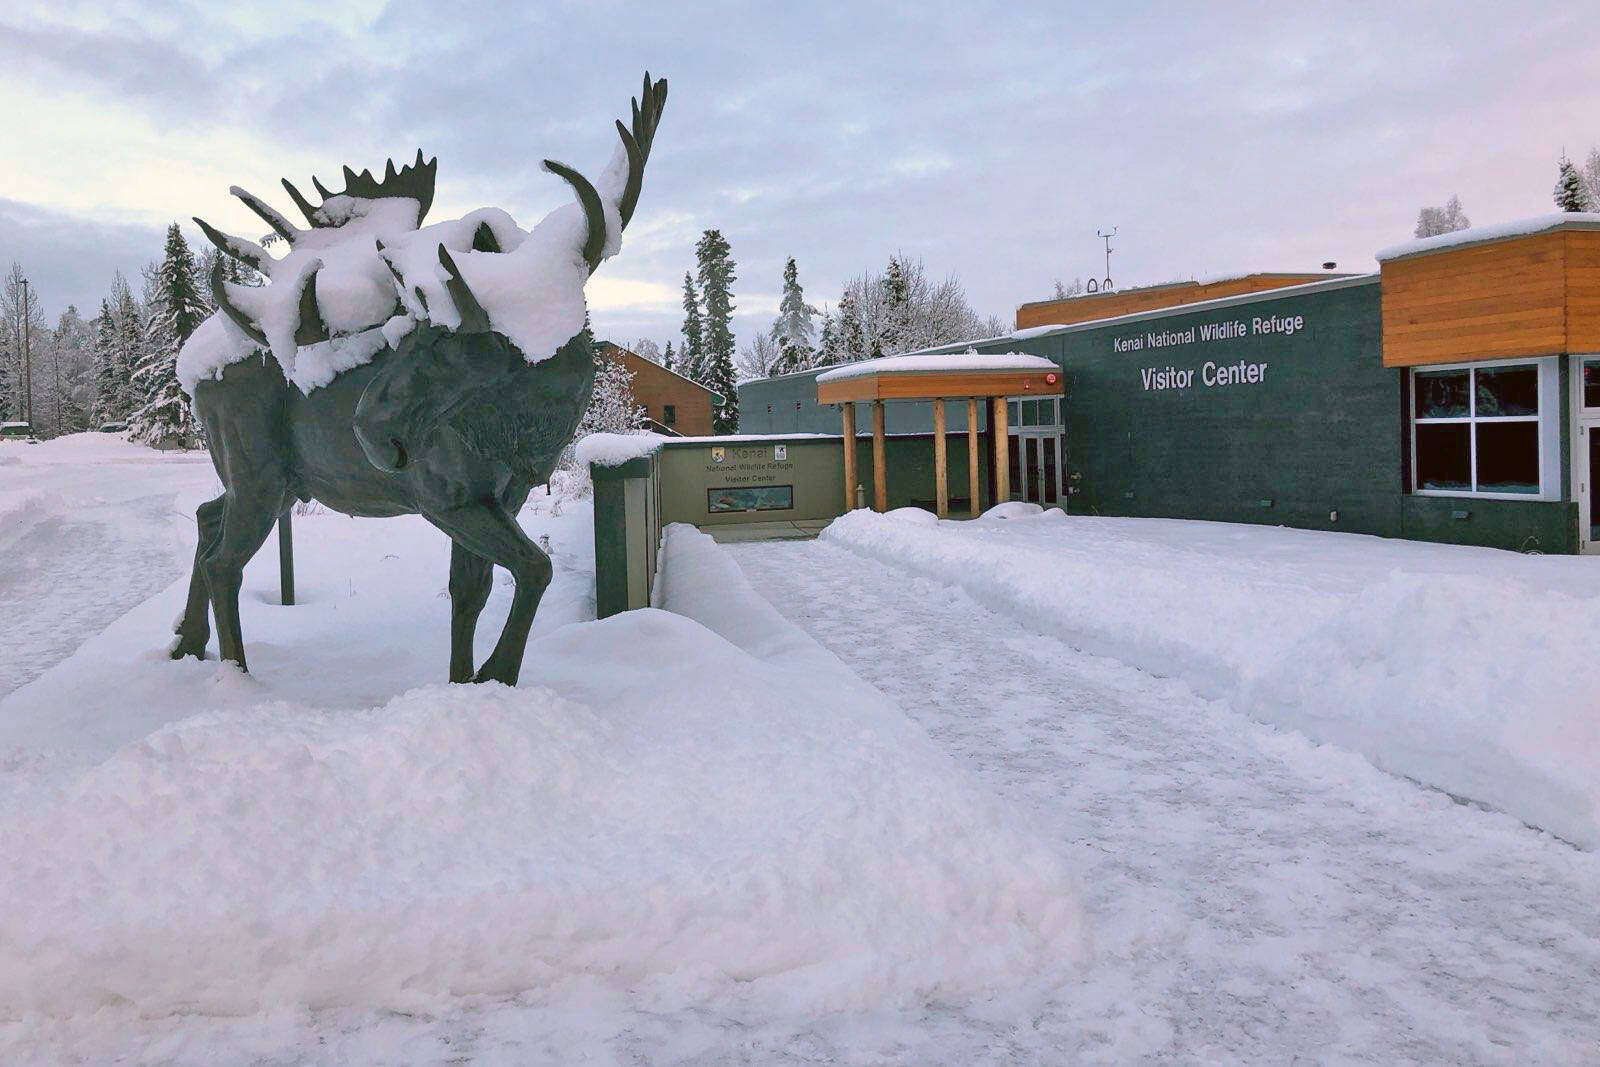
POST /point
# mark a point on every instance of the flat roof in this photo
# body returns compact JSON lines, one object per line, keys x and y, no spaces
{"x":1500,"y":231}
{"x":940,"y":376}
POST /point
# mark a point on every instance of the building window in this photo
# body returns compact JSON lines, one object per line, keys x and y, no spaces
{"x":669,"y":415}
{"x":1590,"y":386}
{"x":1479,"y":429}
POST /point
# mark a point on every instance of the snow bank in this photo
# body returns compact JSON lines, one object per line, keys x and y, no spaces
{"x":1497,"y":232}
{"x":615,"y":449}
{"x":694,"y":812}
{"x":1467,"y":669}
{"x":934,"y":364}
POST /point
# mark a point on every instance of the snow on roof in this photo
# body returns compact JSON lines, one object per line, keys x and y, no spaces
{"x":615,"y":449}
{"x":1500,"y":231}
{"x":940,"y":364}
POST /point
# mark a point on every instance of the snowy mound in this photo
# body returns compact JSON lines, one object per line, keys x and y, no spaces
{"x":656,"y":808}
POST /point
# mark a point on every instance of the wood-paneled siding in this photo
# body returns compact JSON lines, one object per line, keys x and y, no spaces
{"x":1092,"y":306}
{"x":1536,"y":295}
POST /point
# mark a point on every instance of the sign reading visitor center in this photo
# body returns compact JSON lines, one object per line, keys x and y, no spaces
{"x":1157,"y":379}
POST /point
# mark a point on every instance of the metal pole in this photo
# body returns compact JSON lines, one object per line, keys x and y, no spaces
{"x":286,"y":556}
{"x":27,"y":363}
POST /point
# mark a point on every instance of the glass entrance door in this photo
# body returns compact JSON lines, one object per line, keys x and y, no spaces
{"x":1035,"y":450}
{"x":1588,"y":496}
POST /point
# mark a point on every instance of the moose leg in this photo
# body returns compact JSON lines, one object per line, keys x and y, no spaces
{"x":471,"y":578}
{"x":488,"y":531}
{"x":245,"y":526}
{"x":194,"y":629}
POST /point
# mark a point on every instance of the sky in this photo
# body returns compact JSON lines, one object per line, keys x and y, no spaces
{"x":990,"y":140}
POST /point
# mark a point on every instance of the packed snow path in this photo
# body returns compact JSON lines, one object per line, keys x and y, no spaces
{"x":1253,"y":896}
{"x":89,"y":527}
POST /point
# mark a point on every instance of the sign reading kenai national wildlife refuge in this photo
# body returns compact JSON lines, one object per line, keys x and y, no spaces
{"x":1211,"y":374}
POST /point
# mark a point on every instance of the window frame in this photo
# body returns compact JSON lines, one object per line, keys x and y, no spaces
{"x":1544,"y":420}
{"x":1581,"y":409}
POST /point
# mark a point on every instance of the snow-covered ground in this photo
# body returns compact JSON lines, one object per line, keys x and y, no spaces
{"x":90,"y":526}
{"x":1469,"y":669}
{"x":679,"y":828}
{"x":950,"y":833}
{"x":1255,"y":897}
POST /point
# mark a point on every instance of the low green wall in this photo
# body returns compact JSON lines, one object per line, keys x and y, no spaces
{"x":627,"y":532}
{"x":1549,"y":526}
{"x":721,"y":481}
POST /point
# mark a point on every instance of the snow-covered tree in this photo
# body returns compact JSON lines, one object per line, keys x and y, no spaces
{"x":176,"y":311}
{"x":934,"y":314}
{"x":645,"y":348}
{"x":1591,"y":178}
{"x":894,"y":324}
{"x":612,"y":407}
{"x":108,"y":379}
{"x":130,"y":327}
{"x":851,"y":335}
{"x":70,"y":386}
{"x":716,"y":278}
{"x":691,"y":355}
{"x":1570,"y":193}
{"x":761,"y":358}
{"x":1065,"y":291}
{"x":1432,"y":221}
{"x":24,"y":335}
{"x":793,"y":330}
{"x":828,"y":353}
{"x":669,"y":359}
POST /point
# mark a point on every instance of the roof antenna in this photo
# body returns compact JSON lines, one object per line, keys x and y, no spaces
{"x":1106,"y":285}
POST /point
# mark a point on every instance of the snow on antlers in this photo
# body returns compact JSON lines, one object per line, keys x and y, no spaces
{"x":366,"y":271}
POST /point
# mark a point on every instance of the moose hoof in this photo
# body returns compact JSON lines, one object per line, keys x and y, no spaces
{"x":189,"y":646}
{"x":493,"y":672}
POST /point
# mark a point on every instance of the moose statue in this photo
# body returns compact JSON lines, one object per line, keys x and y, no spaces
{"x":387,"y":368}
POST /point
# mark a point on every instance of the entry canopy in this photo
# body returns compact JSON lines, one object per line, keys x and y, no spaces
{"x":933,"y":377}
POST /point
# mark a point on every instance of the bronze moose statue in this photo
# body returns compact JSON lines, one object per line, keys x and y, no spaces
{"x":387,"y":368}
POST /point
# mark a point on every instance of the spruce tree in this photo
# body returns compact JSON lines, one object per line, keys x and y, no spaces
{"x":129,"y":321}
{"x":107,"y":378}
{"x":716,"y":279}
{"x":669,"y":359}
{"x":177,"y":312}
{"x":852,"y":339}
{"x":1570,"y":195}
{"x":691,"y":355}
{"x":793,"y":329}
{"x":895,"y":327}
{"x":827,"y":353}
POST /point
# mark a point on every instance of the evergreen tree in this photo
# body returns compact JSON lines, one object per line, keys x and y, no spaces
{"x":1570,"y":195}
{"x":71,"y":384}
{"x":177,"y":311}
{"x":690,"y":357}
{"x":612,"y":406}
{"x":716,"y":279}
{"x":828,"y":353}
{"x":852,"y":340}
{"x":109,"y":382}
{"x":669,"y":359}
{"x":793,"y":329}
{"x":894,"y":329}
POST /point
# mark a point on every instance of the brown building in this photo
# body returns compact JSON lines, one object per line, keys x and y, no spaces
{"x":1090,"y":306}
{"x":676,"y":406}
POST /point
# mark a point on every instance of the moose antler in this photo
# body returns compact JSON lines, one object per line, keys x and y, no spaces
{"x":414,"y":180}
{"x":221,"y":297}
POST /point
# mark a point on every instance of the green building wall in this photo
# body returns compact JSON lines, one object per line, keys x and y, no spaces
{"x":1318,"y":442}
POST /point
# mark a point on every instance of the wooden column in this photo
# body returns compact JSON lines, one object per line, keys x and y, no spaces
{"x":1002,"y":456}
{"x":880,"y":491}
{"x":849,"y":413}
{"x":972,"y":456}
{"x":941,"y":477}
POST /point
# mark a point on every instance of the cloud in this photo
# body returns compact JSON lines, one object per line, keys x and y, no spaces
{"x":990,"y":139}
